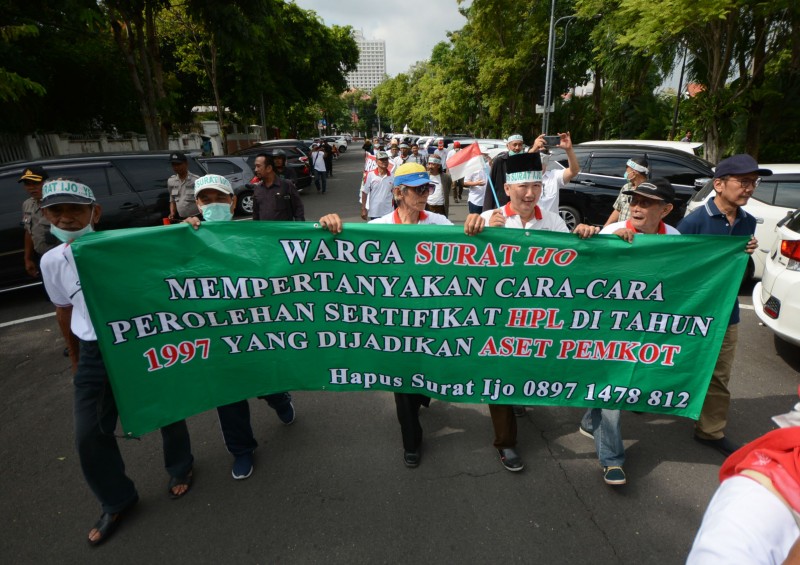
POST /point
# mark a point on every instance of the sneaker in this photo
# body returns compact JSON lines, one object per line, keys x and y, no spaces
{"x":723,"y":444}
{"x":411,"y":459}
{"x":614,"y":476}
{"x":286,"y":414}
{"x":519,"y":411}
{"x":242,"y":466}
{"x":510,"y":460}
{"x":585,"y":432}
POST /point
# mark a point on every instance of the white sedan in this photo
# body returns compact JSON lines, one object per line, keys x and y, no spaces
{"x":776,"y":299}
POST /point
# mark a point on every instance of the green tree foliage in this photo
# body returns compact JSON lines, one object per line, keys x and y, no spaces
{"x":12,"y":85}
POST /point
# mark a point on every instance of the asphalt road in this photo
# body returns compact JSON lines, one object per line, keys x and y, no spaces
{"x":332,"y":488}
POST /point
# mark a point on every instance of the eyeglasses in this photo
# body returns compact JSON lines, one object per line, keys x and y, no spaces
{"x":746,"y":183}
{"x":422,"y":189}
{"x":642,"y":202}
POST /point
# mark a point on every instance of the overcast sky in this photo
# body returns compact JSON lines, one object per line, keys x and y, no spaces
{"x":410,"y":29}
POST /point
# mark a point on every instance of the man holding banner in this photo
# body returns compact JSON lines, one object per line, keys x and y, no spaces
{"x":216,"y":200}
{"x":523,"y":186}
{"x":72,"y":211}
{"x":650,"y":203}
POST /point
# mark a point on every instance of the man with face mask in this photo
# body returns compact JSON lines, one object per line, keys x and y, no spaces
{"x":637,"y":171}
{"x":216,"y":201}
{"x":72,"y":211}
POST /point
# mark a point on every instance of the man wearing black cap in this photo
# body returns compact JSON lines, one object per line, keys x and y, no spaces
{"x":181,"y":188}
{"x":38,"y":239}
{"x":523,"y":186}
{"x":650,"y":203}
{"x":735,"y":180}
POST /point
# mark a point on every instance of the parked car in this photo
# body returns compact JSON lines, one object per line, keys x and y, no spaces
{"x":776,"y":196}
{"x":776,"y":299}
{"x":339,"y":142}
{"x":590,"y":196}
{"x":687,"y":147}
{"x":295,"y":158}
{"x":130,"y":187}
{"x":303,"y":144}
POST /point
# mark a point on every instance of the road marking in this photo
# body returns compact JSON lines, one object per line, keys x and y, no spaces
{"x":23,"y":320}
{"x":746,"y":306}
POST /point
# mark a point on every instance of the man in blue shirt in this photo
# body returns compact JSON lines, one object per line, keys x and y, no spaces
{"x":735,"y":180}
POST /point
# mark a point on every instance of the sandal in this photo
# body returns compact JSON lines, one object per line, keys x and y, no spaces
{"x":107,"y":524}
{"x":186,"y":481}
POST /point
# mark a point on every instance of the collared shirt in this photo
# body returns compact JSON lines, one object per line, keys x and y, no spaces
{"x":623,"y":202}
{"x":181,"y":192}
{"x":424,"y":218}
{"x":379,"y":193}
{"x":709,"y":220}
{"x":279,"y":201}
{"x":663,"y":229}
{"x":419,"y":158}
{"x":542,"y":220}
{"x":37,"y":226}
{"x":64,"y":289}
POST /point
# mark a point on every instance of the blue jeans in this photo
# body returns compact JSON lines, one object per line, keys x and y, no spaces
{"x":234,"y":420}
{"x":607,"y":430}
{"x":95,"y":422}
{"x":321,"y":176}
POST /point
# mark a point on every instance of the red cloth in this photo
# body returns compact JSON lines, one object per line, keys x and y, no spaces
{"x":662,"y":229}
{"x":775,"y":455}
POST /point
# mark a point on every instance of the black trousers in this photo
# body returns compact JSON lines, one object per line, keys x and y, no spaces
{"x":408,"y":415}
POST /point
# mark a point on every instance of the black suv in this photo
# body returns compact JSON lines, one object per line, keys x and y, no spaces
{"x":131,"y":188}
{"x":590,"y":197}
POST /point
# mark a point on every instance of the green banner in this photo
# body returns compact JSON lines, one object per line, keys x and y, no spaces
{"x":188,"y":320}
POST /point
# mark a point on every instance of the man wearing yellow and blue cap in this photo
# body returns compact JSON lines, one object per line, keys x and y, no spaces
{"x":72,"y":210}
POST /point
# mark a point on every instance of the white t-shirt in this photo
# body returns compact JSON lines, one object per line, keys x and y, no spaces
{"x":545,"y":221}
{"x":477,"y":192}
{"x":64,"y":289}
{"x":611,"y":228}
{"x":318,"y":160}
{"x":379,"y":194}
{"x":744,"y":523}
{"x":436,"y":198}
{"x":424,"y":218}
{"x":552,"y":181}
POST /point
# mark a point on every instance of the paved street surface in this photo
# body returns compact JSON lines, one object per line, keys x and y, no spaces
{"x":332,"y":487}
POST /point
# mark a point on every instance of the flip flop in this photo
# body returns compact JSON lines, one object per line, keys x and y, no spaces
{"x":186,"y":481}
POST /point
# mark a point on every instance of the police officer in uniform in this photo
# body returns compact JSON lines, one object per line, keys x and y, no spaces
{"x":38,"y":239}
{"x":181,"y":188}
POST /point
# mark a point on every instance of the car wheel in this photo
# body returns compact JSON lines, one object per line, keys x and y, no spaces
{"x":570,"y":216}
{"x":244,"y":203}
{"x":342,"y":148}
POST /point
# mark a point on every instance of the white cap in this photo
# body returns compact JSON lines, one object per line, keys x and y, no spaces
{"x":213,"y":182}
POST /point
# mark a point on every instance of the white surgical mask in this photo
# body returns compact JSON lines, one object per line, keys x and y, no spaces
{"x":66,"y":236}
{"x":216,"y":212}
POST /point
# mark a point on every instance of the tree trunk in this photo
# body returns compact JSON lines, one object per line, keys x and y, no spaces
{"x":756,"y":106}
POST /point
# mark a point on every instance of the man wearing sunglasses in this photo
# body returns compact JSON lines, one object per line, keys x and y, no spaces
{"x":735,"y":180}
{"x":650,"y":202}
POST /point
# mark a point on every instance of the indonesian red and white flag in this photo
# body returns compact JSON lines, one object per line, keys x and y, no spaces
{"x":465,"y":162}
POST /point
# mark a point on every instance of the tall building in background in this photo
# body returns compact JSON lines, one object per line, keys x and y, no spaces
{"x":371,"y":63}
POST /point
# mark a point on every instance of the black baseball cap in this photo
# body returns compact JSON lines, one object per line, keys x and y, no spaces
{"x":178,"y":157}
{"x":657,"y":189}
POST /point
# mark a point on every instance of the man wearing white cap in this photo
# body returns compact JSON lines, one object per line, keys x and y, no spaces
{"x":376,"y":194}
{"x":72,"y":211}
{"x":637,"y":170}
{"x":439,"y":197}
{"x":523,"y":186}
{"x":216,"y":200}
